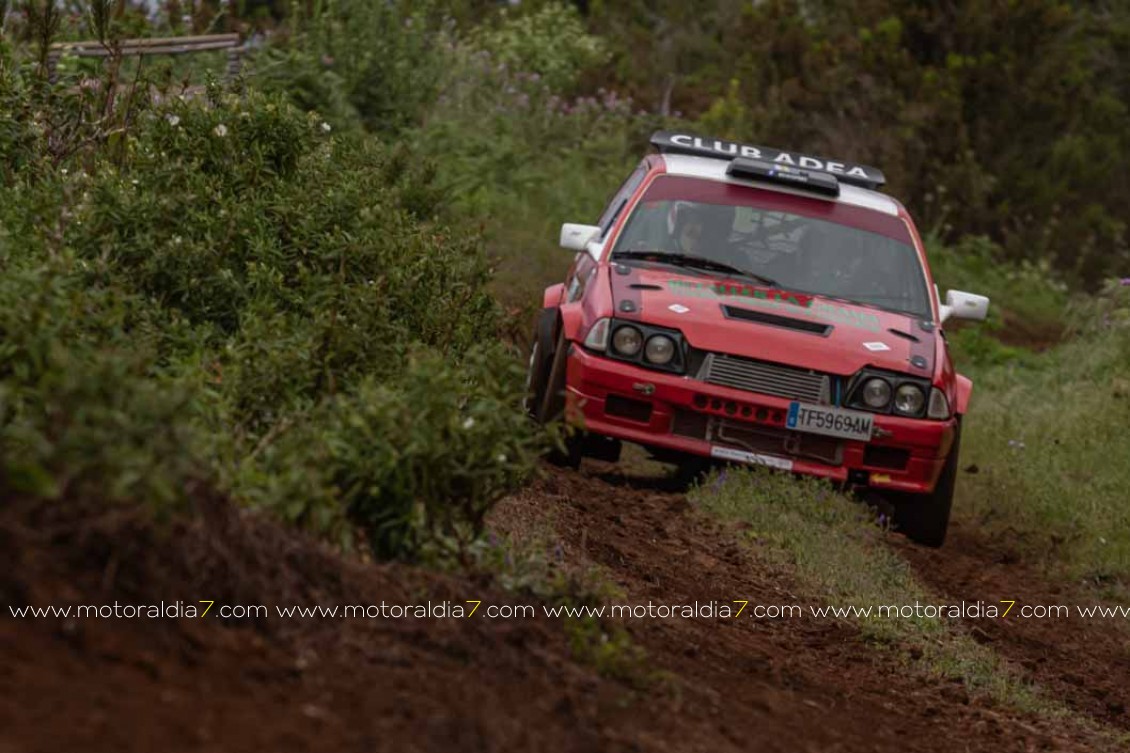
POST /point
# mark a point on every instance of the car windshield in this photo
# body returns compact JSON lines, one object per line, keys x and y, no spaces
{"x":796,"y":243}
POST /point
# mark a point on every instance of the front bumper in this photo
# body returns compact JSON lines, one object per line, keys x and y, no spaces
{"x":681,"y":414}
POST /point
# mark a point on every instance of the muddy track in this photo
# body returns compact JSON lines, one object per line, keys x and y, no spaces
{"x":1083,"y":663}
{"x":479,"y":685}
{"x":658,"y":547}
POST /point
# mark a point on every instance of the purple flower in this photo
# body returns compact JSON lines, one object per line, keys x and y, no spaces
{"x":1124,"y":281}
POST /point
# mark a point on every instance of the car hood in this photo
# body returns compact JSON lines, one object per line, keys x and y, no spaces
{"x":730,"y":315}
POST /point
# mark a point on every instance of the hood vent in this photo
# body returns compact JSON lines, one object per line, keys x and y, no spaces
{"x":773,"y":320}
{"x":645,"y":286}
{"x":904,"y":335}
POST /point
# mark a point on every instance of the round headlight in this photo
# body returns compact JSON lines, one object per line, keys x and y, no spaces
{"x":660,"y":349}
{"x":876,"y":393}
{"x":627,"y":341}
{"x":909,"y":399}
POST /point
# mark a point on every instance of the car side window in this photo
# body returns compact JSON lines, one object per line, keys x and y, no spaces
{"x":620,"y":200}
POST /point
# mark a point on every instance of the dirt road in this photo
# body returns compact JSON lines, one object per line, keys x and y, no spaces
{"x":495,"y":685}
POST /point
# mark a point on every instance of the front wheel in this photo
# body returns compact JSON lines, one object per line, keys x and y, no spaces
{"x":925,"y":518}
{"x":545,"y":388}
{"x":541,"y":360}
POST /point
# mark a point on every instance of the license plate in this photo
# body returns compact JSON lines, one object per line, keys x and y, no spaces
{"x":831,"y":422}
{"x":752,"y":458}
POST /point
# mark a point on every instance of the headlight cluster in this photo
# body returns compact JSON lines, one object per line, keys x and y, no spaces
{"x":882,"y":392}
{"x":654,"y":347}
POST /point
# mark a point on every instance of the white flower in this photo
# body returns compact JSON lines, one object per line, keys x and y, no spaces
{"x":468,"y":423}
{"x":174,"y":120}
{"x":501,"y":458}
{"x":221,"y":130}
{"x":326,"y":128}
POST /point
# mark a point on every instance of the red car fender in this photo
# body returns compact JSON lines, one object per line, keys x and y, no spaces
{"x":964,"y":390}
{"x":572,"y":319}
{"x":554,"y":294}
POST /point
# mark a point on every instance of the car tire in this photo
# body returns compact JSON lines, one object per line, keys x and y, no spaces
{"x":546,"y":388}
{"x":690,"y":470}
{"x":925,"y":518}
{"x":541,"y":359}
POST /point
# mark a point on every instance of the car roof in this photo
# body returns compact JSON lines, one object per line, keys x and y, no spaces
{"x":710,"y":168}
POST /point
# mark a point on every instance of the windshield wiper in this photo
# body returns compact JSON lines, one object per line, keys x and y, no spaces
{"x":697,"y":262}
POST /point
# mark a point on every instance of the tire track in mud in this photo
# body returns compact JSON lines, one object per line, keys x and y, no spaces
{"x":1083,"y":663}
{"x":478,"y":685}
{"x":748,"y":677}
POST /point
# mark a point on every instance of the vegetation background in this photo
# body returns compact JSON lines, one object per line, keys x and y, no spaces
{"x":309,"y":288}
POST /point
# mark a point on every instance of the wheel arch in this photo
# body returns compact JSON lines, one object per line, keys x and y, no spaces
{"x":963,"y":386}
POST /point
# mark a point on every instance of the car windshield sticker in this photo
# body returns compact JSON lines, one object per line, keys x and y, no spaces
{"x":876,"y":347}
{"x":678,"y":308}
{"x":779,"y":300}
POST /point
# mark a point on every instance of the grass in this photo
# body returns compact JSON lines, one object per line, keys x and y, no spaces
{"x":1046,"y":431}
{"x":1048,"y":440}
{"x":1028,"y":302}
{"x":524,"y":555}
{"x":839,"y":555}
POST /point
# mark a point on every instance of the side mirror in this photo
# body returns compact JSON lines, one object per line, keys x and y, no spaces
{"x":577,"y":237}
{"x":962,"y":305}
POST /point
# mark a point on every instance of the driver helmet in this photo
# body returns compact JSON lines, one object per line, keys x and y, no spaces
{"x":702,"y":229}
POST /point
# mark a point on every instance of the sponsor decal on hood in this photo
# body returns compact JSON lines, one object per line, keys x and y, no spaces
{"x":779,"y":301}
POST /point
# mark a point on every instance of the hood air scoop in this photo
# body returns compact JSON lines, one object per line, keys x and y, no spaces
{"x":773,"y":320}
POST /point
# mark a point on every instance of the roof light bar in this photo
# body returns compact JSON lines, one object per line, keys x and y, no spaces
{"x":812,"y":180}
{"x":668,"y":142}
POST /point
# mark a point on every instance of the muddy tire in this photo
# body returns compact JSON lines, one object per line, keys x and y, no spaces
{"x":541,"y":360}
{"x":925,"y":518}
{"x":545,"y":400}
{"x":690,"y":470}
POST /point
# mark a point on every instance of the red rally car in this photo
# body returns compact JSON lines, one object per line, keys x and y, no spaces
{"x":750,"y":305}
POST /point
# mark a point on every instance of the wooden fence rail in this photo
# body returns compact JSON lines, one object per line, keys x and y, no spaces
{"x":156,"y":46}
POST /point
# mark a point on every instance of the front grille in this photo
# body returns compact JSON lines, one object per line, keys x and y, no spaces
{"x":766,"y":378}
{"x":780,"y":441}
{"x":757,"y":438}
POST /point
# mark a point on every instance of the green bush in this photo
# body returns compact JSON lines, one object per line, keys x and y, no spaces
{"x":227,"y":291}
{"x":550,"y":43}
{"x":355,"y":61}
{"x":85,"y":407}
{"x":490,"y":108}
{"x":416,"y":460}
{"x":519,"y":156}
